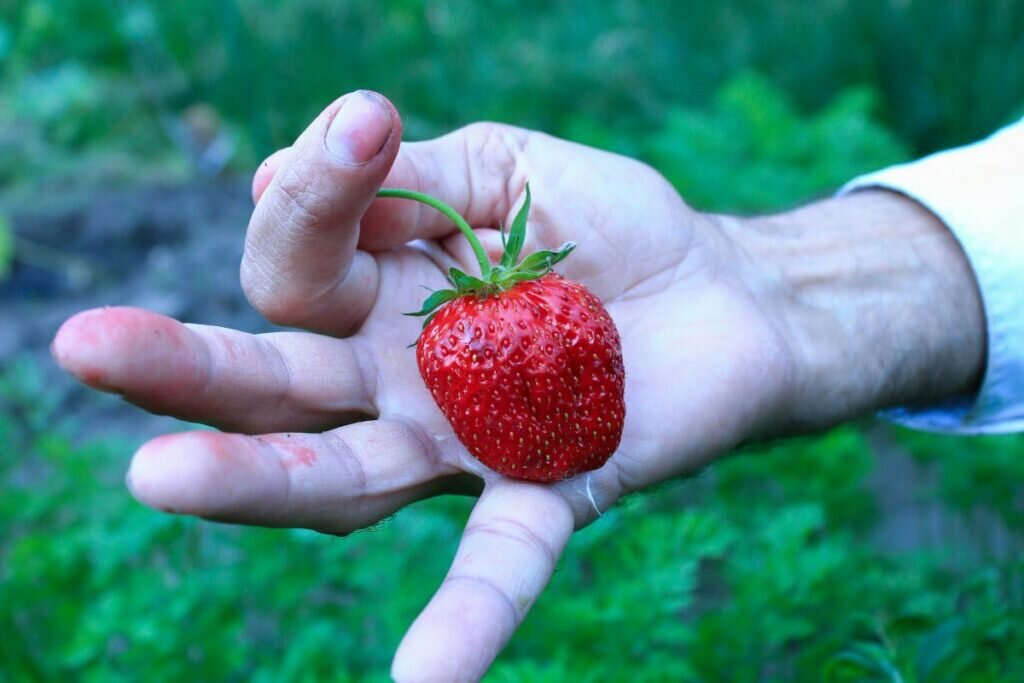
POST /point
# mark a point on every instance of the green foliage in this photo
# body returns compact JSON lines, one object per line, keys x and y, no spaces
{"x":763,"y":568}
{"x":928,"y":642}
{"x":980,"y":478}
{"x":93,"y":585}
{"x":760,"y":569}
{"x":753,"y":150}
{"x":81,"y":75}
{"x":6,"y":246}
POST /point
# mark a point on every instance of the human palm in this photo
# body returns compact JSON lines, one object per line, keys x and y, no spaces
{"x":333,"y":429}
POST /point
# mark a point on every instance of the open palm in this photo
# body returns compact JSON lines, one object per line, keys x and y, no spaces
{"x":332,"y":428}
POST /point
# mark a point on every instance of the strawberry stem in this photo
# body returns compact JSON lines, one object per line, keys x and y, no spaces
{"x":493,"y":279}
{"x":460,"y":222}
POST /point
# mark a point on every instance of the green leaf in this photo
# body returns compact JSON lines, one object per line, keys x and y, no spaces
{"x":6,"y":247}
{"x":937,"y":646}
{"x":441,"y":296}
{"x":465,"y":283}
{"x":517,"y":235}
{"x":862,"y":661}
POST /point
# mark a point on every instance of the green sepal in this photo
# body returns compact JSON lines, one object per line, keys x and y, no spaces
{"x":438,"y":298}
{"x":517,"y":234}
{"x":494,"y":278}
{"x":520,"y":275}
{"x":426,"y":321}
{"x":542,"y":261}
{"x":465,"y":283}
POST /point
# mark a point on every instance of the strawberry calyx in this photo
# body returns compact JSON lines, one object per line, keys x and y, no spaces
{"x":494,"y":278}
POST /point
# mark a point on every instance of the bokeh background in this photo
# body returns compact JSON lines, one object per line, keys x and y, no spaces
{"x":127,"y":133}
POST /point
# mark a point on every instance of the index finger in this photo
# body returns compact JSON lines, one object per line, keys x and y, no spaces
{"x":508,"y":551}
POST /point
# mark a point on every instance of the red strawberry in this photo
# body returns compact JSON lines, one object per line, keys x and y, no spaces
{"x":526,"y":365}
{"x":530,"y":378}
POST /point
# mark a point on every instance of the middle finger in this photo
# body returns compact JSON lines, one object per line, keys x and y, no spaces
{"x":335,"y":482}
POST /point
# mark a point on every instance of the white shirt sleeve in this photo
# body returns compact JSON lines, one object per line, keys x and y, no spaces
{"x":978,"y":191}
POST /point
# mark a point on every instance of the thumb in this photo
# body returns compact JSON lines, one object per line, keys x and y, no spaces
{"x":301,"y":266}
{"x":480,"y":170}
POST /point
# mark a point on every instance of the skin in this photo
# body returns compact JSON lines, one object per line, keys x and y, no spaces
{"x":767,"y":326}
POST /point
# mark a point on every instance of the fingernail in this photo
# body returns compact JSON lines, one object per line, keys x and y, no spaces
{"x":360,"y":128}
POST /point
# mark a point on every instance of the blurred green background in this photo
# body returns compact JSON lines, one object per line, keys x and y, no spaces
{"x":866,"y":554}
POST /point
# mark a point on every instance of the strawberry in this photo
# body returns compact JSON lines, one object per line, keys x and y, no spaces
{"x":525,"y":364}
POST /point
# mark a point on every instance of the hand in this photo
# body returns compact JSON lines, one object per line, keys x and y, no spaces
{"x":713,"y":355}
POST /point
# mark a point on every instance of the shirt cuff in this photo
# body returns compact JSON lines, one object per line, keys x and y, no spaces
{"x":978,"y":191}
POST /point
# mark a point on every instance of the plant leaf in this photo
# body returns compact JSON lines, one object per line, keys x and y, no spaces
{"x":862,"y":661}
{"x":517,"y":235}
{"x":6,"y":247}
{"x":438,"y":298}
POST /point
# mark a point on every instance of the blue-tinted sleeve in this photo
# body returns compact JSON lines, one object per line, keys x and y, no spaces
{"x":978,"y":191}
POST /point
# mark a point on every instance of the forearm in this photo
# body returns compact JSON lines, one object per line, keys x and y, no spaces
{"x":876,"y":300}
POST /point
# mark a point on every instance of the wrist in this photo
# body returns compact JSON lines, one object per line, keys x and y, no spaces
{"x":875,"y":299}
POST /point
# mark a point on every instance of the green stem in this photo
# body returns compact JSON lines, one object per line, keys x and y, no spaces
{"x":460,"y":222}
